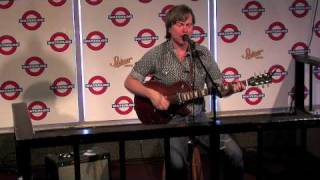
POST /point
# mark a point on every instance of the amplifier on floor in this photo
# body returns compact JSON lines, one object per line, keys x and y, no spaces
{"x":93,"y":166}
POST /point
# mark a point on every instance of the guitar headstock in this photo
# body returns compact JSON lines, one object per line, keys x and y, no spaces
{"x":260,"y":79}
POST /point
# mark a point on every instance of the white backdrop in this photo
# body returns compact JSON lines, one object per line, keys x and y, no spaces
{"x":41,"y":60}
{"x":260,"y":36}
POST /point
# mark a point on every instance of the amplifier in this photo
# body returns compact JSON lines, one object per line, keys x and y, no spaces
{"x":93,"y":166}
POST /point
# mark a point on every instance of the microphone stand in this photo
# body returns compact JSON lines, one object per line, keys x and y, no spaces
{"x":214,"y":136}
{"x":195,"y":55}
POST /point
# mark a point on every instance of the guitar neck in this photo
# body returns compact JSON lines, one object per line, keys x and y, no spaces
{"x":182,"y":97}
{"x":191,"y":95}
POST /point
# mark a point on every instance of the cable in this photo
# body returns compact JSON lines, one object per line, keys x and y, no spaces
{"x":313,"y":21}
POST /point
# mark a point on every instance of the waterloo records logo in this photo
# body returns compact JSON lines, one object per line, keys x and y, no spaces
{"x":278,"y":73}
{"x":34,"y":66}
{"x":94,"y":2}
{"x":10,"y":90}
{"x":62,"y":87}
{"x":31,"y":20}
{"x":57,"y":2}
{"x":120,"y":16}
{"x":229,"y":33}
{"x":276,"y":31}
{"x":123,"y":105}
{"x":97,"y":85}
{"x":5,"y":4}
{"x":300,"y":8}
{"x":164,"y":11}
{"x":230,"y":74}
{"x":8,"y":45}
{"x":146,"y":38}
{"x":198,"y":34}
{"x":317,"y":28}
{"x":292,"y":92}
{"x":316,"y":72}
{"x":145,"y":1}
{"x":59,"y":42}
{"x":253,"y":95}
{"x":299,"y":48}
{"x":38,"y":110}
{"x":96,"y":40}
{"x":253,"y":10}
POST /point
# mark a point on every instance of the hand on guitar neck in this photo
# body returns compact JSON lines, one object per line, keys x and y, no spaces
{"x":231,"y":88}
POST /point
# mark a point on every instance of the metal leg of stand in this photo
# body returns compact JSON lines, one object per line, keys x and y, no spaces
{"x":167,"y":158}
{"x":214,"y":154}
{"x":259,"y":154}
{"x":23,"y":156}
{"x":122,"y":154}
{"x":76,"y":159}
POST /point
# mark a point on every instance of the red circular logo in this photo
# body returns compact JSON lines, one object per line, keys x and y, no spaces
{"x":31,"y":20}
{"x":97,"y":85}
{"x":95,"y":40}
{"x":10,"y":90}
{"x":62,"y":87}
{"x":8,"y":45}
{"x":94,"y":2}
{"x":230,"y":74}
{"x":316,"y":72}
{"x":276,"y":31}
{"x":145,"y":1}
{"x":34,"y":66}
{"x":59,"y":42}
{"x":299,"y":48}
{"x":300,"y":8}
{"x":38,"y":110}
{"x":120,"y":16}
{"x":164,"y":11}
{"x":198,"y":34}
{"x":5,"y":4}
{"x":229,"y":33}
{"x":278,"y":73}
{"x":253,"y":95}
{"x":146,"y":38}
{"x":57,"y":2}
{"x":123,"y":105}
{"x":253,"y":10}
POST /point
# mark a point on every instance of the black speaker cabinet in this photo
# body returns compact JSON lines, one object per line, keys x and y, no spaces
{"x":93,"y":166}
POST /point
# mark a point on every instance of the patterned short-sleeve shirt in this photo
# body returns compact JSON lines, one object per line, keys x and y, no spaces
{"x":165,"y":67}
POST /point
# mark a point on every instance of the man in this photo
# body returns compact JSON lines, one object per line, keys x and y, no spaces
{"x":172,"y":62}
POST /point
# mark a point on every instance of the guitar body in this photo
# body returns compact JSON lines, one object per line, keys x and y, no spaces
{"x":179,"y":92}
{"x":147,"y":114}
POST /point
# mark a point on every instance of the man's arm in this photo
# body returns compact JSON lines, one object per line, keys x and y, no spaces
{"x":136,"y":87}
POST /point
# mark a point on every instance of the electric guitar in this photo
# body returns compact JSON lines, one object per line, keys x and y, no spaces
{"x":178,"y":95}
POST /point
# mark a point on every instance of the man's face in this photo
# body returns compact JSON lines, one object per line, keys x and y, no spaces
{"x":180,"y":28}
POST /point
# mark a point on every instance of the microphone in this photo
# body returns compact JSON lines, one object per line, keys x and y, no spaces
{"x":186,"y":38}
